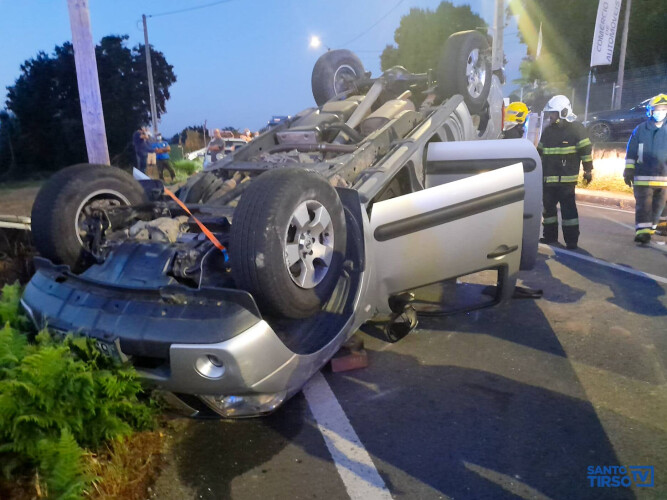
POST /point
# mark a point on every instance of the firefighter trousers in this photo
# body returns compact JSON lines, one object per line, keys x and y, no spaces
{"x":649,"y":206}
{"x":552,"y":196}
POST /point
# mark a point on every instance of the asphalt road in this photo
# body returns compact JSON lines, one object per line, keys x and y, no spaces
{"x":508,"y":402}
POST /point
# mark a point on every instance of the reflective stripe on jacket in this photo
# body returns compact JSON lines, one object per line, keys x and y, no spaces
{"x":563,"y":146}
{"x":647,"y":154}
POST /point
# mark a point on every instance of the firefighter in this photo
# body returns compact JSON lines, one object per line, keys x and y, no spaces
{"x":563,"y":145}
{"x":515,"y":117}
{"x":646,"y":169}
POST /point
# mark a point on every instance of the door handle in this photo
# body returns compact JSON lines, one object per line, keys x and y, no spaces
{"x":502,"y":250}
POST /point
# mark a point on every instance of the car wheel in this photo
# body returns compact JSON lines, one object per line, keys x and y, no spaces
{"x":465,"y":68}
{"x":199,"y":188}
{"x":64,"y":203}
{"x":333,"y":73}
{"x":288,"y":241}
{"x":600,"y":132}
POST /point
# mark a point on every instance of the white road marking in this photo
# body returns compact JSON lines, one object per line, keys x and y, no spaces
{"x":652,"y":244}
{"x":629,"y":226}
{"x":657,"y":246}
{"x":604,"y":208}
{"x":604,"y":263}
{"x":354,"y":464}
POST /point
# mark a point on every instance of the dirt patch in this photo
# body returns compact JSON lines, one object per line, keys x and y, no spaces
{"x":17,"y":201}
{"x":128,"y":468}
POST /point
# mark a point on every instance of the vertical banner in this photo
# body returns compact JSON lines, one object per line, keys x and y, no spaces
{"x":539,"y":43}
{"x":604,"y":38}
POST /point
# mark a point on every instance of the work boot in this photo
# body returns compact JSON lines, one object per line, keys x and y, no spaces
{"x":643,"y":238}
{"x":548,"y":241}
{"x":571,"y":246}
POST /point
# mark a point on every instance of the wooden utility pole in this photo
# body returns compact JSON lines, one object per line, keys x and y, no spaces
{"x":149,"y":70}
{"x":621,"y":60}
{"x":88,"y":82}
{"x":497,"y":54}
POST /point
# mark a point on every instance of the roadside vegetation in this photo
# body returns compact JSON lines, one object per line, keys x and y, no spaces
{"x":185,"y":168}
{"x":73,"y":424}
{"x":611,"y":183}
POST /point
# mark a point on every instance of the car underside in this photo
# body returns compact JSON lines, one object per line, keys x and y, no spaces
{"x":231,"y":292}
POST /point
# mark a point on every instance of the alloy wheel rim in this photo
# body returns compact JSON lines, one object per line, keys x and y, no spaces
{"x":475,"y":73}
{"x":309,"y":244}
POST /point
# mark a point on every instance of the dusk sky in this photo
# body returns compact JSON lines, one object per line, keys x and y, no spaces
{"x":237,"y":63}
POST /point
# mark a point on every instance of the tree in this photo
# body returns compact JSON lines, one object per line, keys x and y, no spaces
{"x":422,"y":34}
{"x":45,"y":101}
{"x":8,"y":135}
{"x":567,"y":35}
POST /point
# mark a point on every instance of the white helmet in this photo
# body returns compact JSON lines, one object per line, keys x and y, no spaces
{"x":562,"y":106}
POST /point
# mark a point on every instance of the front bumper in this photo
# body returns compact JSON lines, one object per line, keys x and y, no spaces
{"x":211,"y":343}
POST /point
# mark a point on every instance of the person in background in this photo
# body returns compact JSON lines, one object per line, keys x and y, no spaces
{"x":563,"y":146}
{"x":247,"y":135}
{"x":141,"y":148}
{"x":646,"y":169}
{"x":515,"y":118}
{"x":162,"y":149}
{"x":216,"y":148}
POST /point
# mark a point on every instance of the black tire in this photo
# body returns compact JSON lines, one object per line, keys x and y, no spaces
{"x":56,"y":208}
{"x":452,"y":73}
{"x":327,"y":79}
{"x":600,"y":132}
{"x":260,"y":231}
{"x":200,"y":188}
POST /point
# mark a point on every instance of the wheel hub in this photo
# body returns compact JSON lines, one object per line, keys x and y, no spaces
{"x":99,"y":200}
{"x":308,"y":245}
{"x":476,"y":73}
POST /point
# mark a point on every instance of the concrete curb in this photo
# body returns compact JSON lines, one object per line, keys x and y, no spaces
{"x":615,"y":200}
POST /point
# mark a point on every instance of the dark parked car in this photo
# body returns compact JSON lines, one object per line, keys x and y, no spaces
{"x":605,"y":126}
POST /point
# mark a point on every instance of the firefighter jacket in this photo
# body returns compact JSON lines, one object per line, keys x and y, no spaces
{"x":562,"y":146}
{"x":647,"y":154}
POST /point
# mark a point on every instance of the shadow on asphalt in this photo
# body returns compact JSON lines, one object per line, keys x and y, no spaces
{"x":211,"y":453}
{"x":633,"y":293}
{"x":452,"y":423}
{"x":554,"y":289}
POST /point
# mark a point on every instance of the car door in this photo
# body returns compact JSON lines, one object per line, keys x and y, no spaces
{"x":470,"y":216}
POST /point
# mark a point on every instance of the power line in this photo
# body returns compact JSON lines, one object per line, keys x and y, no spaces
{"x":373,"y":25}
{"x":188,"y":9}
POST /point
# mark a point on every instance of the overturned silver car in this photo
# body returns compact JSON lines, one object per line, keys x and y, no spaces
{"x":233,"y":292}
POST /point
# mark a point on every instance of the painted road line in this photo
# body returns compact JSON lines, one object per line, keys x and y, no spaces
{"x":604,"y":263}
{"x":652,"y":244}
{"x":579,"y":203}
{"x":354,"y":464}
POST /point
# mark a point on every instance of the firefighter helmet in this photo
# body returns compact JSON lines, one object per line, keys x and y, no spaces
{"x":516,"y":112}
{"x":658,"y":100}
{"x":561,"y":105}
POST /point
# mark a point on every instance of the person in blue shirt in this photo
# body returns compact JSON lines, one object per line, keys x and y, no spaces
{"x":162,"y":148}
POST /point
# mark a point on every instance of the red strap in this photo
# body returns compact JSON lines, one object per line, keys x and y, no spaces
{"x":203,"y":228}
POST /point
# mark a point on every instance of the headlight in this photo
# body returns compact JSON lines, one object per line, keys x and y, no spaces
{"x":248,"y":405}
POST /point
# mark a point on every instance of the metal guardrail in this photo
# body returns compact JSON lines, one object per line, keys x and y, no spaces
{"x":15,"y":222}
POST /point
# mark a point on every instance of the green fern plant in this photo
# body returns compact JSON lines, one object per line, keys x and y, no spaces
{"x":59,"y":397}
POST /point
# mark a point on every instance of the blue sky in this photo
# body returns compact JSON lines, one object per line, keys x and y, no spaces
{"x":237,"y":63}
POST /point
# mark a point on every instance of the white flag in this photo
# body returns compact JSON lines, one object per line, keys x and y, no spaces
{"x":604,"y":38}
{"x":539,"y":43}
